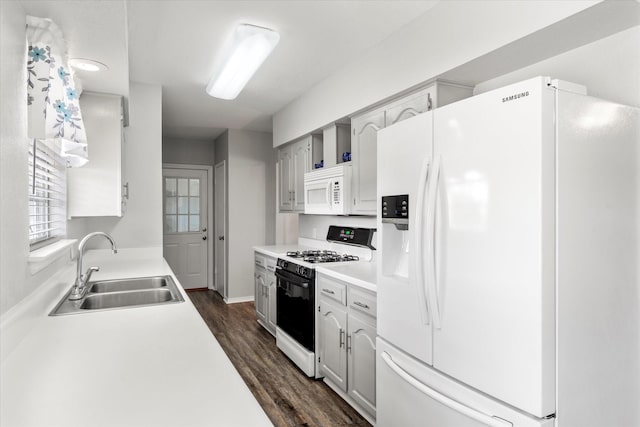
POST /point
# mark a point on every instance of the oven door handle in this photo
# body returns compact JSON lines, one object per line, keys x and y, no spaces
{"x":291,"y":278}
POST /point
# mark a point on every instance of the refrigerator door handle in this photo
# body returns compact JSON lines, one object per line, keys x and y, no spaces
{"x":443,"y":399}
{"x":419,"y":239}
{"x":431,"y":282}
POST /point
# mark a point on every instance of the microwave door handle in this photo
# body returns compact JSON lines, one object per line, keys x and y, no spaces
{"x":328,"y":193}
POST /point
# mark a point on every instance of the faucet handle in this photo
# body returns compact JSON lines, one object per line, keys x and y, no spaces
{"x":86,"y":276}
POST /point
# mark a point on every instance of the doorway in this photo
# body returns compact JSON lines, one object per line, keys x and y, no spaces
{"x":186,"y":217}
{"x":221,"y":229}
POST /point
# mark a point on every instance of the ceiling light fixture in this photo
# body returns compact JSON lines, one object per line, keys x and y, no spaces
{"x":251,"y":45}
{"x":87,"y":64}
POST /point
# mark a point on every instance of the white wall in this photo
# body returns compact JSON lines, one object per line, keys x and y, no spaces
{"x":450,"y":34}
{"x":609,"y":68}
{"x":188,"y":151}
{"x":141,"y":224}
{"x":251,"y":205}
{"x":16,"y":282}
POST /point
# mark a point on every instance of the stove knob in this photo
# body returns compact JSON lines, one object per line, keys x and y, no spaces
{"x":302,"y":271}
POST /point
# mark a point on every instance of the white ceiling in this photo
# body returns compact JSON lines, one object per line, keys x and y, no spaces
{"x":95,"y":30}
{"x":174,"y":44}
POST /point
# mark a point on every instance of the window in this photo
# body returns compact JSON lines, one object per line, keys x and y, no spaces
{"x":181,"y":205}
{"x":47,"y":192}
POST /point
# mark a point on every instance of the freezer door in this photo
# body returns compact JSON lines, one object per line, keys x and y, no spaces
{"x":493,"y":266}
{"x":404,"y":159}
{"x":412,"y":394}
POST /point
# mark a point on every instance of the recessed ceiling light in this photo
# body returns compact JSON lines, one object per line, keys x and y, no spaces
{"x":251,"y":46}
{"x":87,"y":64}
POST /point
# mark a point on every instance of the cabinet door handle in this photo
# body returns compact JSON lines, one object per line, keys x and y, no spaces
{"x":329,"y":291}
{"x":359,"y":304}
{"x":341,"y":337}
{"x":349,"y":343}
{"x":126,"y":191}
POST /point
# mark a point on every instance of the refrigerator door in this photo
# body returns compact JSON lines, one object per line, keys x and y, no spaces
{"x":404,"y":160}
{"x":410,"y":393}
{"x":598,"y":257}
{"x":492,"y":271}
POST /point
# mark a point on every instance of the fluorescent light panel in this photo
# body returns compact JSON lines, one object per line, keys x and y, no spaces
{"x":251,"y":46}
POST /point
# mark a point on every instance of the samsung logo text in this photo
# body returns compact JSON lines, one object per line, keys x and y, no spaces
{"x":515,"y":96}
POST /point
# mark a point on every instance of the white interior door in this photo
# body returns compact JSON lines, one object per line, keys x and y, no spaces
{"x":220,"y":229}
{"x":184,"y":214}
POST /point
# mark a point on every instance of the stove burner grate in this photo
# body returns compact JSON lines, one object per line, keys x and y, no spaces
{"x":320,"y":256}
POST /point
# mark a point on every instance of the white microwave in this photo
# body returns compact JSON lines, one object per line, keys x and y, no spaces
{"x":327,"y":191}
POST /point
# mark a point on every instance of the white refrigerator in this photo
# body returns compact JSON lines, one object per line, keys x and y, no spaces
{"x":508,"y":262}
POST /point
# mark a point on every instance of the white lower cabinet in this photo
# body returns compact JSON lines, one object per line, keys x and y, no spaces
{"x":260,"y":280}
{"x":265,"y":292}
{"x":271,"y":296}
{"x":333,"y":349}
{"x":361,"y":363}
{"x":347,"y":341}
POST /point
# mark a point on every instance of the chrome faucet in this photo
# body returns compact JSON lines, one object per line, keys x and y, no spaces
{"x":80,"y":285}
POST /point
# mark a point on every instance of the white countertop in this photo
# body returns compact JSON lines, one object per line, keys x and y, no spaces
{"x":361,"y":273}
{"x":143,"y":366}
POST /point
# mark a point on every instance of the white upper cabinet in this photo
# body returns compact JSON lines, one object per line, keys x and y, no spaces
{"x":364,"y":135}
{"x":98,"y":188}
{"x":301,"y":155}
{"x":285,"y":167}
{"x":294,"y":160}
{"x":364,"y":149}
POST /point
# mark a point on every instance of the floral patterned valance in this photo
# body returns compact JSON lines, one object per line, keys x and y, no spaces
{"x":52,"y":100}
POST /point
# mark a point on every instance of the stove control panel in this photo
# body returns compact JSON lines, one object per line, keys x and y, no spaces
{"x":351,"y":235}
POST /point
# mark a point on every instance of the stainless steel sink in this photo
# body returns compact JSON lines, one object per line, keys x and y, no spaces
{"x":126,"y":299}
{"x":134,"y":284}
{"x":122,"y":293}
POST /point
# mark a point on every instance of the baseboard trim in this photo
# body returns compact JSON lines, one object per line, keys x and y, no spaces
{"x":196,"y":289}
{"x":350,"y":401}
{"x":237,"y":300}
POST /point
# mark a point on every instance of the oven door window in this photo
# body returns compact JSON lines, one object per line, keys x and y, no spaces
{"x":296,"y":307}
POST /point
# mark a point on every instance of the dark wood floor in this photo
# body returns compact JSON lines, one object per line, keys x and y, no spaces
{"x":288,"y":396}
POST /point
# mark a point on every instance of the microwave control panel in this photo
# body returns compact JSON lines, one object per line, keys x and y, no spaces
{"x":336,"y":193}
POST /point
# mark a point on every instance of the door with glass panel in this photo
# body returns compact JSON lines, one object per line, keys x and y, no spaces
{"x":184,"y":214}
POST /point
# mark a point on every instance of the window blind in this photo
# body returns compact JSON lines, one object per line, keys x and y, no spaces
{"x":47,"y":191}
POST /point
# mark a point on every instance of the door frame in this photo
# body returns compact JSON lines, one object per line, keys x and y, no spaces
{"x":224,"y":292}
{"x":210,"y":196}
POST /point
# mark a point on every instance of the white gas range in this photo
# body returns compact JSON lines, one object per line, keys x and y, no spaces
{"x":296,"y":291}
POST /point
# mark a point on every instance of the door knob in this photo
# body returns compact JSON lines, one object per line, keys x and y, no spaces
{"x":220,"y":237}
{"x":204,"y":230}
{"x":204,"y":237}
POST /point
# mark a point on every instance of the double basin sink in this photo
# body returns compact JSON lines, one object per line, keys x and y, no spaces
{"x":122,"y":293}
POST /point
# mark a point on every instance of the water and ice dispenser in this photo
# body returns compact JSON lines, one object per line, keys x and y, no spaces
{"x":395,"y":235}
